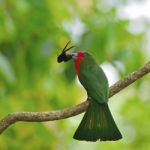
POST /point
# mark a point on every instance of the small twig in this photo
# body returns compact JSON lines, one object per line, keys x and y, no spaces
{"x":72,"y":111}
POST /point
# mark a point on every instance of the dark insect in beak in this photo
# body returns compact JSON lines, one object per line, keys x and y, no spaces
{"x":63,"y":56}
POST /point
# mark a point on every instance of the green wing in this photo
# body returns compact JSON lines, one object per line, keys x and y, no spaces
{"x":93,"y":79}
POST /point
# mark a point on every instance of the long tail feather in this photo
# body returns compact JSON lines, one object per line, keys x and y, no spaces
{"x":97,"y":124}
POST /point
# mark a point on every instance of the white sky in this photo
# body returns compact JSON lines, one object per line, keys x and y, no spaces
{"x":135,"y":10}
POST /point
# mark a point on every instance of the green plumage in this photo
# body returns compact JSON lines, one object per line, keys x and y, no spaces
{"x":97,"y":123}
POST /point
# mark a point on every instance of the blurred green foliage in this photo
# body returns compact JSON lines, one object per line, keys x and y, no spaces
{"x":32,"y":33}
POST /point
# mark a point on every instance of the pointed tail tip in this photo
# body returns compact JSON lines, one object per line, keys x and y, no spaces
{"x":91,"y":139}
{"x":119,"y":137}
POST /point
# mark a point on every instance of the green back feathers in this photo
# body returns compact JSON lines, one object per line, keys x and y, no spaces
{"x":93,"y":79}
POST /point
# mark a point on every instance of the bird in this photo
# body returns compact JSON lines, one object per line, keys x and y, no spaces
{"x":97,"y":123}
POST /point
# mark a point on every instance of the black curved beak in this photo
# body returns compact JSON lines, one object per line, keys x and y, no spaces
{"x":64,"y":56}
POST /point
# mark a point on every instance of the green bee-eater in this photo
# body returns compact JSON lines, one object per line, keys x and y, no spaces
{"x":97,"y":123}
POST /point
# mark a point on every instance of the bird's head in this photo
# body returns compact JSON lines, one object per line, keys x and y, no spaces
{"x":65,"y":56}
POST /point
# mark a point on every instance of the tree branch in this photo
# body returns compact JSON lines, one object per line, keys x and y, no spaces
{"x":72,"y":111}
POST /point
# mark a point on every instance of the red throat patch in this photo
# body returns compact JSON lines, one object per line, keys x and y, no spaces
{"x":78,"y":61}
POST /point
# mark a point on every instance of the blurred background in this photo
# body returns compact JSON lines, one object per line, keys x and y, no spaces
{"x":33,"y":33}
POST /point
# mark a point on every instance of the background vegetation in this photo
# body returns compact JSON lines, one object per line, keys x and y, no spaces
{"x":33,"y":32}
